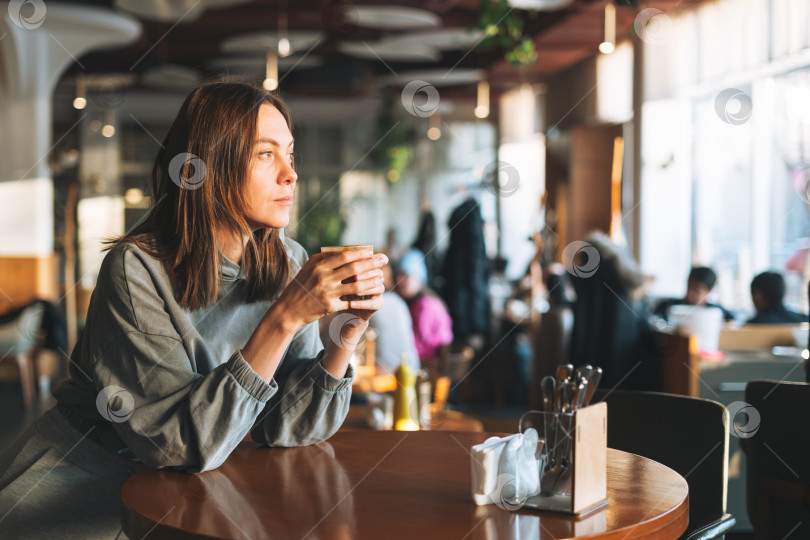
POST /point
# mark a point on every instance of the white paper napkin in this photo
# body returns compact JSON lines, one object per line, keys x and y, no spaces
{"x":505,"y":471}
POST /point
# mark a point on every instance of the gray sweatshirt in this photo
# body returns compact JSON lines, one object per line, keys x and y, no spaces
{"x":170,"y":385}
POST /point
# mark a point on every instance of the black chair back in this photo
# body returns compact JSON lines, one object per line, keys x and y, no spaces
{"x":777,"y":458}
{"x":688,"y":435}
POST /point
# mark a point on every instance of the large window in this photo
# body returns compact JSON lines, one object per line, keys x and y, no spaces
{"x":789,"y":189}
{"x":724,"y":209}
{"x":727,"y":120}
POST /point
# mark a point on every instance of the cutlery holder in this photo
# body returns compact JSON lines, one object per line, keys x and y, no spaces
{"x":572,"y":459}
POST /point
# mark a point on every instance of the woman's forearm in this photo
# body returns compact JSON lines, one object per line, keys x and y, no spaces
{"x":337,"y":356}
{"x":268,"y":343}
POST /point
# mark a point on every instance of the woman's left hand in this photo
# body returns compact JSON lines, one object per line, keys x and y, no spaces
{"x":347,"y":328}
{"x":372,"y":299}
{"x":374,"y":302}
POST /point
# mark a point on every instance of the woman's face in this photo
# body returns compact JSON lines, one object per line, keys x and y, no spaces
{"x":271,"y":178}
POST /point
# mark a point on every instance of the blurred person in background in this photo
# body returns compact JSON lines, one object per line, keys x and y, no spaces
{"x":559,"y":291}
{"x":394,"y":328}
{"x":699,"y":285}
{"x":392,"y":247}
{"x":432,"y":325}
{"x":767,"y":294}
{"x":610,"y":329}
{"x":426,"y":243}
{"x":466,"y":275}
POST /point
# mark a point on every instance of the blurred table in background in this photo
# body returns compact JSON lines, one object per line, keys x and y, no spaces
{"x":440,"y":420}
{"x":371,"y":379}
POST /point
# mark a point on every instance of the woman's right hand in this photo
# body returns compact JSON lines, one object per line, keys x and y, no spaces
{"x":318,"y":287}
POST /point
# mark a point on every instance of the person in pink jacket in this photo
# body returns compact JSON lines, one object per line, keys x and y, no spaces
{"x":432,"y":325}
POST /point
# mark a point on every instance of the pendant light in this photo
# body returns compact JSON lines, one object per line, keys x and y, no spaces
{"x":80,"y":102}
{"x":609,"y":44}
{"x":109,"y":129}
{"x":434,"y":130}
{"x":482,"y":101}
{"x":284,"y":47}
{"x":271,"y":71}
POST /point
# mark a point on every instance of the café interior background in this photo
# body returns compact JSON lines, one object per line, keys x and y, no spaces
{"x":708,"y":97}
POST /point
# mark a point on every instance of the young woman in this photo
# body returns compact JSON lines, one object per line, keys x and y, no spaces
{"x":201,"y":329}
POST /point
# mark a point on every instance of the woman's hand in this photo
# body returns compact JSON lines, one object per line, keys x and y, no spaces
{"x":326,"y":284}
{"x":322,"y":286}
{"x":371,"y":300}
{"x":346,"y":329}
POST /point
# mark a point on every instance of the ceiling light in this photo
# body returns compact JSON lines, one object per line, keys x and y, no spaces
{"x":259,"y":42}
{"x":609,"y":44}
{"x":482,"y":103}
{"x":390,"y":50}
{"x":538,"y":5}
{"x":391,"y":17}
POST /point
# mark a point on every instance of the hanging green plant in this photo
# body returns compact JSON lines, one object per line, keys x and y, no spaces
{"x":523,"y":53}
{"x":503,"y":27}
{"x":399,"y":157}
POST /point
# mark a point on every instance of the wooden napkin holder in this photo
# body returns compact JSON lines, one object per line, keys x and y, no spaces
{"x":587,"y":492}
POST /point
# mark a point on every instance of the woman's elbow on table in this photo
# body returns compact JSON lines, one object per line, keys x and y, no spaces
{"x":305,"y":423}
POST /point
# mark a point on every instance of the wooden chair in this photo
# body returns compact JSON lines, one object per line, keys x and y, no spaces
{"x":688,"y":435}
{"x":19,"y":339}
{"x":776,"y":445}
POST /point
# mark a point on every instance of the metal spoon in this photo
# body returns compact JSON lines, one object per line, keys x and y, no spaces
{"x":547,"y":386}
{"x":581,"y":394}
{"x":576,"y":391}
{"x":593,"y":382}
{"x":547,"y":389}
{"x":564,"y":372}
{"x":583,"y":371}
{"x":565,"y":396}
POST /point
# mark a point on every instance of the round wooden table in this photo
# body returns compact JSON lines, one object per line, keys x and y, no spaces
{"x":389,"y":485}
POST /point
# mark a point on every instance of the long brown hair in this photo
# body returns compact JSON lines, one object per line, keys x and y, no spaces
{"x":198,"y":186}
